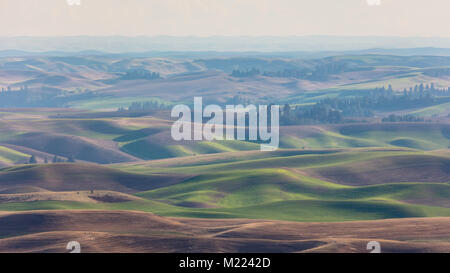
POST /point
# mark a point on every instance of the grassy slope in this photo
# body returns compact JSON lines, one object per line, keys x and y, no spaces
{"x":292,"y":210}
{"x":422,"y":136}
{"x":247,"y":188}
{"x":416,"y":167}
{"x":261,"y":189}
{"x":112,"y":103}
{"x":8,"y":155}
{"x":149,"y":138}
{"x":151,"y":150}
{"x":79,"y":177}
{"x":309,"y":159}
{"x":240,"y":182}
{"x":441,"y":109}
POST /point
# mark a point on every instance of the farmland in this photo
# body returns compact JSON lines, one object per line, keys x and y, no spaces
{"x":80,"y":163}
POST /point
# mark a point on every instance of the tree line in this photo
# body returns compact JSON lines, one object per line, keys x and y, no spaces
{"x":402,"y":118}
{"x":319,"y":73}
{"x":144,"y":107}
{"x":140,"y":74}
{"x":335,"y":110}
{"x":56,"y":159}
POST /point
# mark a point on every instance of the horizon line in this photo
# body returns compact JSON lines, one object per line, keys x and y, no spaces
{"x":228,"y":36}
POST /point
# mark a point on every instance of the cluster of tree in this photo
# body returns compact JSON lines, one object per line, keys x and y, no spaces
{"x":24,"y":99}
{"x":288,"y":73}
{"x":9,"y":89}
{"x":245,"y":73}
{"x":318,"y":113}
{"x":334,"y":110}
{"x":422,"y":89}
{"x":56,"y":159}
{"x":403,"y":118}
{"x":386,"y":99}
{"x":140,"y":74}
{"x":144,"y":107}
{"x":14,"y":98}
{"x":323,"y":71}
{"x":32,"y":160}
{"x":350,"y":107}
{"x":319,"y":73}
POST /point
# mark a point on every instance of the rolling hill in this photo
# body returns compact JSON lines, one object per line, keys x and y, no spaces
{"x":293,"y":185}
{"x":333,"y":184}
{"x":119,"y":231}
{"x":67,"y":145}
{"x":79,"y":177}
{"x":95,"y":81}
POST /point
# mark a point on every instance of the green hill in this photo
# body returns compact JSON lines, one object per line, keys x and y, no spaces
{"x":297,"y":185}
{"x":8,"y":155}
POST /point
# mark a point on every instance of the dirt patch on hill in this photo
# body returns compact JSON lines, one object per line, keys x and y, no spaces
{"x":130,"y":231}
{"x":83,"y":177}
{"x":80,"y":196}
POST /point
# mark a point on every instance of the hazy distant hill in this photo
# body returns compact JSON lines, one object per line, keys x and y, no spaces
{"x":216,"y":43}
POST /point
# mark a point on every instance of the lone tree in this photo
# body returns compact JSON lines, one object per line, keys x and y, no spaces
{"x":32,"y":160}
{"x":71,"y":159}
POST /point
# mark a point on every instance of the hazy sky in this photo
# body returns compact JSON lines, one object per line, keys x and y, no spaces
{"x":225,"y":17}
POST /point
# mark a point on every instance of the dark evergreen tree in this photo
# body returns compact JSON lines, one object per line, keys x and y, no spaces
{"x":71,"y":159}
{"x":32,"y":160}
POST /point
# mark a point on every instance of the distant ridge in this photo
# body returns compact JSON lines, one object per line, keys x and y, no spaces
{"x":431,"y":51}
{"x":218,"y":43}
